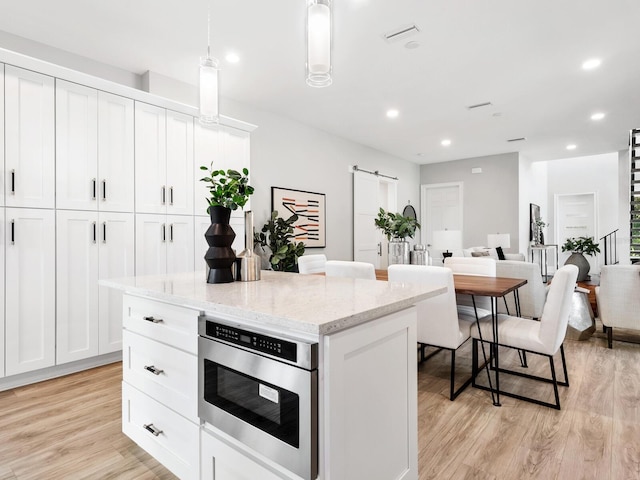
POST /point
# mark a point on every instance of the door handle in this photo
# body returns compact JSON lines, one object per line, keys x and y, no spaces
{"x":379,"y":249}
{"x":152,"y":319}
{"x":151,"y":428}
{"x":104,"y":190}
{"x":164,"y":195}
{"x":170,"y":195}
{"x":94,"y":232}
{"x":164,"y":232}
{"x":153,"y":369}
{"x":93,"y":189}
{"x":104,"y":232}
{"x":13,"y":181}
{"x":171,"y":232}
{"x":13,"y":232}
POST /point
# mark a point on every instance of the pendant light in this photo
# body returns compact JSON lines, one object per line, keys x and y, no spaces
{"x":319,"y":43}
{"x":209,"y":113}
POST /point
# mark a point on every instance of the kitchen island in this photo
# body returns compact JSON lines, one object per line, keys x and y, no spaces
{"x":366,"y":380}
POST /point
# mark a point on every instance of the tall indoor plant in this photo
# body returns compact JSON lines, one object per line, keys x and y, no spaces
{"x":397,"y":228}
{"x":277,"y":234}
{"x":228,"y":190}
{"x":579,"y":247}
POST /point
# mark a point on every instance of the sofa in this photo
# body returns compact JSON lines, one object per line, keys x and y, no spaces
{"x":479,"y":251}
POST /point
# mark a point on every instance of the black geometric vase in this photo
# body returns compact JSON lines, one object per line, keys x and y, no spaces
{"x":219,"y":236}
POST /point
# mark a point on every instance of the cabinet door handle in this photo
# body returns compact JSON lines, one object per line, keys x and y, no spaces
{"x":93,"y":189}
{"x":379,"y":249}
{"x":104,"y":190}
{"x":164,"y":232}
{"x":94,"y":232}
{"x":151,"y":428}
{"x":170,"y":195}
{"x":13,"y":181}
{"x":164,"y":194}
{"x":171,"y":232}
{"x":13,"y":232}
{"x":152,"y":319}
{"x":153,"y":369}
{"x":104,"y":232}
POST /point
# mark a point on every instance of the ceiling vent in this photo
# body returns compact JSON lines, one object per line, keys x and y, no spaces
{"x":519,"y":139}
{"x":478,"y":105}
{"x":401,"y":33}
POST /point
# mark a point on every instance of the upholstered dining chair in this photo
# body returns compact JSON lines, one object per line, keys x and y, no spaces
{"x":532,"y":296}
{"x":439,"y":324}
{"x":483,"y":266}
{"x":545,"y":337}
{"x":618,"y":298}
{"x":312,"y":263}
{"x":345,"y":268}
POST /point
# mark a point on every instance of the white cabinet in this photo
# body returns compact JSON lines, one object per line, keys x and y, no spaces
{"x":160,"y":382}
{"x":29,"y":139}
{"x":164,"y":161}
{"x":94,"y":149}
{"x":228,"y":148}
{"x":164,"y":244}
{"x":2,"y":170}
{"x":30,"y":289}
{"x":219,"y":461}
{"x":2,"y":326}
{"x":90,"y":246}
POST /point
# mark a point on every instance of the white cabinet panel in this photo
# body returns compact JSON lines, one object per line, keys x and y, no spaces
{"x":2,"y":322}
{"x":151,"y":158}
{"x":151,"y":244}
{"x":116,"y":260}
{"x":179,"y":163}
{"x":29,"y":139}
{"x":179,"y":244}
{"x":2,"y":170}
{"x":77,"y":285}
{"x":76,"y":146}
{"x":115,"y":153}
{"x":30,"y":289}
{"x":169,"y":438}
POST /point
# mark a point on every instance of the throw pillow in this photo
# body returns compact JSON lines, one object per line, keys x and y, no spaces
{"x":500,"y":253}
{"x":480,"y":254}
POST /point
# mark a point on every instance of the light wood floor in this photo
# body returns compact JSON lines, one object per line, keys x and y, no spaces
{"x":69,"y":428}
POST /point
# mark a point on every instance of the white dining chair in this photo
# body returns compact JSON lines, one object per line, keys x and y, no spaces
{"x":439,"y":324}
{"x":480,"y":266}
{"x":544,"y":337}
{"x":345,"y":268}
{"x":618,"y":298}
{"x":532,"y":295}
{"x":312,"y":263}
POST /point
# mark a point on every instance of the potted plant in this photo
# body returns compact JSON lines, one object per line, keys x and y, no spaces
{"x":579,"y":247}
{"x":228,"y":191}
{"x":284,"y":251}
{"x":397,"y":228}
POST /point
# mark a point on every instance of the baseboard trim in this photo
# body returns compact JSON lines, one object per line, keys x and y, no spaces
{"x":28,"y":378}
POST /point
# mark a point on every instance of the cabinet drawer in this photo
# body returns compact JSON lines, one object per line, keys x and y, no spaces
{"x":169,"y":438}
{"x":164,"y":373}
{"x":170,"y":324}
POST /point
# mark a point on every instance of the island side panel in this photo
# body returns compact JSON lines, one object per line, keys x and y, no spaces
{"x":369,"y":419}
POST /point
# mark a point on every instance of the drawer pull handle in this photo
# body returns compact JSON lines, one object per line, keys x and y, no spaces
{"x":152,"y":319}
{"x":150,"y":428}
{"x":154,"y":370}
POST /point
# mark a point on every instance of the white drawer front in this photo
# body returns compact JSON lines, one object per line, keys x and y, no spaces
{"x":176,"y":444}
{"x":166,"y":374}
{"x":175,"y":326}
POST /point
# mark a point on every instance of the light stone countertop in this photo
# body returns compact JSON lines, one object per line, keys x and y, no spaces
{"x":312,"y":304}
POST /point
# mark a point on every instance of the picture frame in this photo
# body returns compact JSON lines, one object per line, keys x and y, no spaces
{"x":310,"y":228}
{"x":534,"y":214}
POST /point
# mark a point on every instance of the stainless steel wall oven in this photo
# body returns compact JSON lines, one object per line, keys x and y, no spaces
{"x":261,"y":389}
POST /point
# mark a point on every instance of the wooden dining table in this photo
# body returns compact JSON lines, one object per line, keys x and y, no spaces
{"x":495,"y":288}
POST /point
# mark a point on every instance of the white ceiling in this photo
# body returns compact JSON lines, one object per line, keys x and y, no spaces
{"x":523,"y":56}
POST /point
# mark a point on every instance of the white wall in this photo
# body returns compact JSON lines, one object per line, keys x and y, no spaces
{"x":595,"y":173}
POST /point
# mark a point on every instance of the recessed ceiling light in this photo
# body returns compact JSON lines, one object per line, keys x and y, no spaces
{"x":392,"y":113}
{"x":571,"y":147}
{"x":446,"y":142}
{"x":591,"y":64}
{"x":420,"y":154}
{"x":232,"y":57}
{"x":597,"y":116}
{"x":412,"y":45}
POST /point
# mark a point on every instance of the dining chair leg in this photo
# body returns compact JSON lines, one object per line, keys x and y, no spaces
{"x":609,"y":336}
{"x":452,"y":375}
{"x":523,"y":358}
{"x":555,"y":383}
{"x":564,"y":368}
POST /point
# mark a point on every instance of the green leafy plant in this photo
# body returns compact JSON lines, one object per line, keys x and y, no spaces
{"x":584,"y":245}
{"x":394,"y":225}
{"x":277,"y":234}
{"x":228,"y":189}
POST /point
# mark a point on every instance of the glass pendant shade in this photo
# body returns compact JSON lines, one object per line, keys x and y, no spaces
{"x":319,"y":43}
{"x":209,"y":113}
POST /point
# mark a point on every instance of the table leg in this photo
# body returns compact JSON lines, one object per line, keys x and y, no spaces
{"x":494,"y":322}
{"x":484,"y":353}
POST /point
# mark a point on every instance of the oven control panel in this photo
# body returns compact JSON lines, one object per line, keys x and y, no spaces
{"x":255,"y":341}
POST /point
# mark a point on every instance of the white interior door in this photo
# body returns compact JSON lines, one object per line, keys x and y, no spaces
{"x":575,"y":216}
{"x":441,"y":209}
{"x":370,"y":193}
